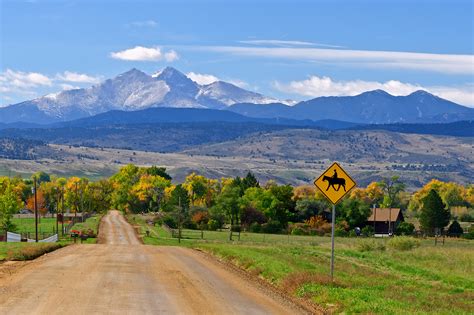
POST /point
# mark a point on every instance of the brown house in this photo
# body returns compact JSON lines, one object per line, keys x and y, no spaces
{"x":385,"y":220}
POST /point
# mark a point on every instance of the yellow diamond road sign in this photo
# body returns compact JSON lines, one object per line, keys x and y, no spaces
{"x":334,"y":183}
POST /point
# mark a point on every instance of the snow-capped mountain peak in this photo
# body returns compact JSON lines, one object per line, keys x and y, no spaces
{"x":133,"y":90}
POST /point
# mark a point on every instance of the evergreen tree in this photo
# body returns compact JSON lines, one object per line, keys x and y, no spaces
{"x":158,"y":171}
{"x":434,"y":214}
{"x":249,"y":181}
{"x":455,"y":229}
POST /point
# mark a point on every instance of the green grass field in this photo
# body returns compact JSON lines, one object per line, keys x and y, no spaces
{"x":27,"y":225}
{"x":368,"y":279}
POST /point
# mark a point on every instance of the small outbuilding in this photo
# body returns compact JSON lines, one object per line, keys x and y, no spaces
{"x":385,"y":220}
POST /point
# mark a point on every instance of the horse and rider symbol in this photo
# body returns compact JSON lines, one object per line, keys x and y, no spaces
{"x":334,"y":180}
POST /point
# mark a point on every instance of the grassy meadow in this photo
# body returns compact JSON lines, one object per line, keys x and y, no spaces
{"x":27,"y":225}
{"x":371,"y":275}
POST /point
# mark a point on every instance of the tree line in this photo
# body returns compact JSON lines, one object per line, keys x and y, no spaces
{"x":237,"y":203}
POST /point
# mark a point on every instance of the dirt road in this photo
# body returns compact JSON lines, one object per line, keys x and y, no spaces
{"x":122,"y":276}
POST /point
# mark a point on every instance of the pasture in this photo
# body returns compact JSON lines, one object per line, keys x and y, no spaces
{"x":27,"y":225}
{"x":371,"y":275}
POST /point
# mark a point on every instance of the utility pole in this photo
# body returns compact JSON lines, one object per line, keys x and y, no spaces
{"x":390,"y":221}
{"x":179,"y":220}
{"x":36,"y":211}
{"x":57,"y":211}
{"x":62,"y":211}
{"x":75,"y":203}
{"x":375,"y":218}
{"x":333,"y":227}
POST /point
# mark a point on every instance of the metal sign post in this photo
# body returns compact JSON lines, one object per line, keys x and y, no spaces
{"x":333,"y":227}
{"x":334,"y":184}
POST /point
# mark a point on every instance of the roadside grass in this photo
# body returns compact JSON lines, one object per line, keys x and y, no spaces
{"x":371,"y":276}
{"x":26,"y":251}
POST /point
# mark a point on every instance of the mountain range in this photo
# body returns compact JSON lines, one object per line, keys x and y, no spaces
{"x":135,"y":90}
{"x":130,"y":91}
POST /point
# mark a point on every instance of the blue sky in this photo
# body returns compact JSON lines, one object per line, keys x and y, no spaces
{"x":287,"y":49}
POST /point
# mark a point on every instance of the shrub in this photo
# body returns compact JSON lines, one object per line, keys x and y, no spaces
{"x":455,"y":229}
{"x":367,"y":231}
{"x":469,"y":236}
{"x":170,"y":221}
{"x":250,"y":215}
{"x":370,"y":245}
{"x":272,"y":226}
{"x":255,"y":227}
{"x":200,"y":217}
{"x":466,"y":217}
{"x":340,"y":232}
{"x":213,"y":225}
{"x":403,"y":243}
{"x":298,"y":231}
{"x":236,"y":228}
{"x":405,"y":228}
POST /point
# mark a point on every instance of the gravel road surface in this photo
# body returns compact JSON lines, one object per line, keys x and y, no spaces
{"x":122,"y":276}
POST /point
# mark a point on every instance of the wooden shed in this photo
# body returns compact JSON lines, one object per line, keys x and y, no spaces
{"x":385,"y":220}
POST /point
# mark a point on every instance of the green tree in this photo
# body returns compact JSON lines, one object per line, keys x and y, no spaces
{"x":405,"y":228}
{"x":228,"y":203}
{"x":249,"y":181}
{"x":158,"y":171}
{"x":309,"y":207}
{"x":41,"y":177}
{"x":10,"y":204}
{"x":391,"y":187}
{"x":122,"y":183}
{"x":455,"y":229}
{"x":354,"y":211}
{"x":434,"y":214}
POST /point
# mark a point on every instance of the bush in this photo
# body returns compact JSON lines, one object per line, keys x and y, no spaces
{"x":370,"y":245}
{"x":405,"y":228}
{"x":403,"y":243}
{"x":469,"y":236}
{"x":170,"y":221}
{"x":200,"y":218}
{"x":272,"y":227}
{"x":455,"y":229}
{"x":250,"y":215}
{"x":89,"y":233}
{"x":213,"y":225}
{"x":236,"y":228}
{"x":466,"y":217}
{"x":298,"y":231}
{"x":340,"y":232}
{"x":367,"y":231}
{"x":255,"y":227}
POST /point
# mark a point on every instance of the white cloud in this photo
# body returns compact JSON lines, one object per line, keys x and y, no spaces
{"x":202,"y":79}
{"x":171,"y":56}
{"x":285,"y":43}
{"x":443,"y":63}
{"x":241,"y":84}
{"x":316,"y":86}
{"x":147,"y":23}
{"x":139,"y":53}
{"x":11,"y":80}
{"x":75,"y":77}
{"x":65,"y":87}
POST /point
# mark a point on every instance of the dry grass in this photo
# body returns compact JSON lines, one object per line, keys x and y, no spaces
{"x":32,"y":251}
